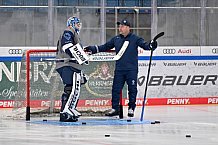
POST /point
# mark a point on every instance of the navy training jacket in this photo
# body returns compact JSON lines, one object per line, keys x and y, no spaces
{"x":129,"y":60}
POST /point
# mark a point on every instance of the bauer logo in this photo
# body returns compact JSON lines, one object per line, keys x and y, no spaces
{"x":195,"y":80}
{"x":15,"y":51}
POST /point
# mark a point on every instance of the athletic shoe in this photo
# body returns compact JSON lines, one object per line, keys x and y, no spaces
{"x":112,"y":112}
{"x":130,"y":112}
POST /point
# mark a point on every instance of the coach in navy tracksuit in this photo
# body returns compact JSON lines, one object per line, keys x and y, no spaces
{"x":126,"y":69}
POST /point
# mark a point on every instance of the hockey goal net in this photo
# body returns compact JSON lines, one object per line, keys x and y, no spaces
{"x":40,"y":87}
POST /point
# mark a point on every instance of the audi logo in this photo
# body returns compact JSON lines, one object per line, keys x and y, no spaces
{"x":215,"y":50}
{"x":15,"y":51}
{"x":169,"y":51}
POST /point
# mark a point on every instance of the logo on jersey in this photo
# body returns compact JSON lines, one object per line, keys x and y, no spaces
{"x":67,"y":36}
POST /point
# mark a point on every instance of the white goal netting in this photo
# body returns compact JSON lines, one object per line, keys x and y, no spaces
{"x":40,"y":94}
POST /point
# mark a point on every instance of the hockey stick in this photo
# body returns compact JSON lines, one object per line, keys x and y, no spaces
{"x":92,"y":58}
{"x":149,"y":68}
{"x":111,"y":58}
{"x":96,"y":58}
{"x":158,"y":36}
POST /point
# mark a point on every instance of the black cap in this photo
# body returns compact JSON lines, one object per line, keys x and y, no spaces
{"x":124,"y":22}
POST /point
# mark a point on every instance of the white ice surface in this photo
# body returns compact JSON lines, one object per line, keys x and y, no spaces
{"x":201,"y":122}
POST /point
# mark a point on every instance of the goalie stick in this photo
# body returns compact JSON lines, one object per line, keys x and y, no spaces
{"x":96,"y":58}
{"x":111,"y":58}
{"x":149,"y":68}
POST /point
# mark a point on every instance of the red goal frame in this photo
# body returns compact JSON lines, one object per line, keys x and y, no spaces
{"x":28,"y":52}
{"x":28,"y":80}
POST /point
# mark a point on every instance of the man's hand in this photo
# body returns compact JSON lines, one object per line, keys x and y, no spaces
{"x":153,"y":45}
{"x":90,"y":49}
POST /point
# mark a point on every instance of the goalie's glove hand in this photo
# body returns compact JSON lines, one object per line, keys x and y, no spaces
{"x":153,"y":45}
{"x":90,"y":49}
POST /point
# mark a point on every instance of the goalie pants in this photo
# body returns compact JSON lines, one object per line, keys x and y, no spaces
{"x":120,"y":77}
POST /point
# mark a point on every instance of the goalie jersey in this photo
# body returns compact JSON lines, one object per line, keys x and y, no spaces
{"x":63,"y":58}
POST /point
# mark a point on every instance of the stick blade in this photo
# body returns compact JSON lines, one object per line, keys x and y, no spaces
{"x":158,"y":36}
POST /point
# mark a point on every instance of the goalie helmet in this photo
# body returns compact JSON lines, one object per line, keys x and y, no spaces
{"x":72,"y":21}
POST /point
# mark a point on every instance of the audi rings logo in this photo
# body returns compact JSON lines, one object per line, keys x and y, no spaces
{"x":15,"y":51}
{"x":215,"y":50}
{"x":169,"y":51}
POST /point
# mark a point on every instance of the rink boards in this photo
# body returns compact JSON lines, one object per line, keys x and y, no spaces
{"x":180,"y":75}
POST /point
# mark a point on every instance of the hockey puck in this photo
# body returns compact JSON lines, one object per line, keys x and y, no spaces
{"x":44,"y":120}
{"x":83,"y":123}
{"x":152,"y":122}
{"x":107,"y":135}
{"x":128,"y":120}
{"x":188,"y":135}
{"x":157,"y":121}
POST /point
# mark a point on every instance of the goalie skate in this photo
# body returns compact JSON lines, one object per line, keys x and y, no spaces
{"x":65,"y":117}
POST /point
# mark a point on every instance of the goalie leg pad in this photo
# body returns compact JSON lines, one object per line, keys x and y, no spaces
{"x":73,"y":97}
{"x":65,"y":96}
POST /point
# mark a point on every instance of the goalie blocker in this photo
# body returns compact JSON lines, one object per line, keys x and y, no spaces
{"x":77,"y":52}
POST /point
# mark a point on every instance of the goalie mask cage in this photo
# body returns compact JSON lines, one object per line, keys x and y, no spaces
{"x":40,"y":87}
